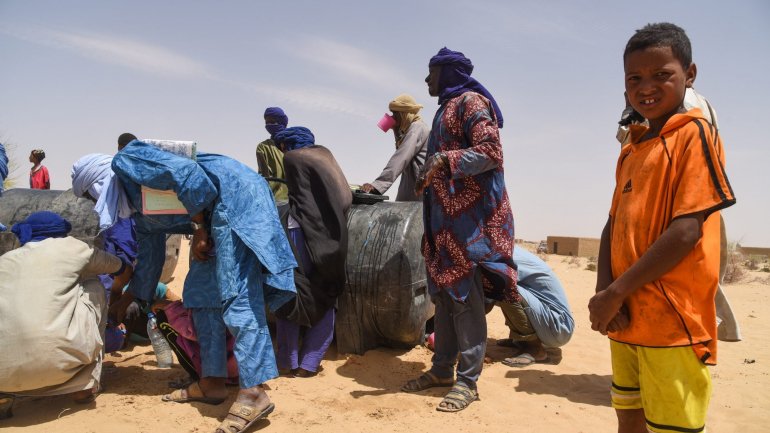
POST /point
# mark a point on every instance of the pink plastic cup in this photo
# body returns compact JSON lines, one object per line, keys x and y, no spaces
{"x":387,"y":122}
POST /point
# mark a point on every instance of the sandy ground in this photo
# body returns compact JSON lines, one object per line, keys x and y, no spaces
{"x":361,"y":393}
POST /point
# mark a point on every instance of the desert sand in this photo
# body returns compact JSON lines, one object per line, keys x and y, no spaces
{"x":361,"y":393}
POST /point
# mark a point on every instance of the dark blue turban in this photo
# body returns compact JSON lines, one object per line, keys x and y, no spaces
{"x":455,"y":79}
{"x":41,"y":225}
{"x":283,"y":120}
{"x":294,"y":138}
{"x":278,"y":113}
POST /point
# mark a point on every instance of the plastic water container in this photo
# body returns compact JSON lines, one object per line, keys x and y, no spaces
{"x":163,"y":352}
{"x":385,"y":301}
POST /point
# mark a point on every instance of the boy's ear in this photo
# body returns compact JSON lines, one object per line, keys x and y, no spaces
{"x":690,"y":74}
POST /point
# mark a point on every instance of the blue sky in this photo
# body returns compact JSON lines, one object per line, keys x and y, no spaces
{"x":76,"y":74}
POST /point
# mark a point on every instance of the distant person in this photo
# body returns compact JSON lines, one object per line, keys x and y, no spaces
{"x":411,"y":144}
{"x":269,"y":157}
{"x":319,"y":202}
{"x":542,"y":319}
{"x":52,"y":312}
{"x":468,"y":239}
{"x":728,"y":328}
{"x":658,"y":266}
{"x":3,"y":168}
{"x":38,"y":175}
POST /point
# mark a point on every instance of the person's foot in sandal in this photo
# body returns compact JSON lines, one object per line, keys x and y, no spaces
{"x":425,"y":381}
{"x":458,"y":398}
{"x":209,"y":390}
{"x":252,"y":405}
{"x":532,"y":352}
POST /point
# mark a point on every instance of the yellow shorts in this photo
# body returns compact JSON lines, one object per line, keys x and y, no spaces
{"x":670,"y":384}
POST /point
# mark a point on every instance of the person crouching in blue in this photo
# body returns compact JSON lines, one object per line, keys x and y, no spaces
{"x":242,"y":261}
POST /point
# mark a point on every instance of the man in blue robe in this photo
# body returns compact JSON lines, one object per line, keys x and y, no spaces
{"x":241,"y":262}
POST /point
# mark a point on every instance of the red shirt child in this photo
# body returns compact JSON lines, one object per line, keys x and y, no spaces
{"x":38,"y":175}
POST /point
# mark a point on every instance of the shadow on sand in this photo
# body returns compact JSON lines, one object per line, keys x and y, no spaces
{"x":387,"y":377}
{"x":590,"y":389}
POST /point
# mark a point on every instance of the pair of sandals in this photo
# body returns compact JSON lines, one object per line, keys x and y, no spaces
{"x":457,"y":399}
{"x":246,"y":415}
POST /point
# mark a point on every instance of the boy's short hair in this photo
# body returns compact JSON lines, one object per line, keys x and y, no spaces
{"x":662,"y":35}
{"x":39,"y":154}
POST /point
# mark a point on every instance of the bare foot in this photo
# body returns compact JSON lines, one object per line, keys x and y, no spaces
{"x":213,"y":387}
{"x":84,"y":396}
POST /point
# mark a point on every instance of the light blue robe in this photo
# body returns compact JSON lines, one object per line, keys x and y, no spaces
{"x":253,"y":261}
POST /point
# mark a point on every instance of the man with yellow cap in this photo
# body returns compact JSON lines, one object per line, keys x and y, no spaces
{"x":411,"y":144}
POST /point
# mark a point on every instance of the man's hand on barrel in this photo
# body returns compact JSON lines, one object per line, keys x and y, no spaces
{"x":430,"y":170}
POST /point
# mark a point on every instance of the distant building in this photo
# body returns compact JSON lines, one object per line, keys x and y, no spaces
{"x":568,"y":246}
{"x":754,"y":251}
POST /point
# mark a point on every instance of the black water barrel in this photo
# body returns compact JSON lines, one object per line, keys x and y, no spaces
{"x":385,"y":301}
{"x":17,"y":204}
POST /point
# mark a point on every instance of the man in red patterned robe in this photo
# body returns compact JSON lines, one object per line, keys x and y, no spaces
{"x":468,"y":240}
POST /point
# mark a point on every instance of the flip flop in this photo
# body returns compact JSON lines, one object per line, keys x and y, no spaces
{"x":183,"y":396}
{"x":524,"y":360}
{"x":460,"y":396}
{"x":425,"y":381}
{"x":243,"y":413}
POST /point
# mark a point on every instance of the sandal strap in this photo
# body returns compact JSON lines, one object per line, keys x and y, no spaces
{"x":463,"y":391}
{"x":227,"y":426}
{"x":243,"y":411}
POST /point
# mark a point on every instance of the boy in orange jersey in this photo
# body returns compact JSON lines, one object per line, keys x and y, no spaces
{"x":659,"y":256}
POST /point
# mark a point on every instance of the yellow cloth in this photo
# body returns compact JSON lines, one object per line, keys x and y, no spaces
{"x":669,"y":383}
{"x":408,"y":109}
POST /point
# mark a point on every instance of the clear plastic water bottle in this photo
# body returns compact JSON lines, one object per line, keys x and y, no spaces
{"x":159,"y":344}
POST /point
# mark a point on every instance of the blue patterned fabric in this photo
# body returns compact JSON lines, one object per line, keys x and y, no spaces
{"x":466,"y":211}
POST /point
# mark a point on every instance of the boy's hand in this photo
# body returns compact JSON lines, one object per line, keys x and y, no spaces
{"x":603,"y":308}
{"x":620,"y":321}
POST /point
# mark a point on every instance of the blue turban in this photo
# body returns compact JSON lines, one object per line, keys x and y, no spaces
{"x":3,"y":166}
{"x":40,"y":226}
{"x":283,"y":120}
{"x":93,"y":174}
{"x":455,"y":79}
{"x":294,"y":138}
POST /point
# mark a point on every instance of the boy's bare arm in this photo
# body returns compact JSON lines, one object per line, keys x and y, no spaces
{"x":665,"y":253}
{"x":604,"y":263}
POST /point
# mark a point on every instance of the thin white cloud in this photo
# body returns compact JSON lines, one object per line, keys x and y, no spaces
{"x":129,"y":53}
{"x":312,"y":98}
{"x":159,"y":61}
{"x":352,"y":64}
